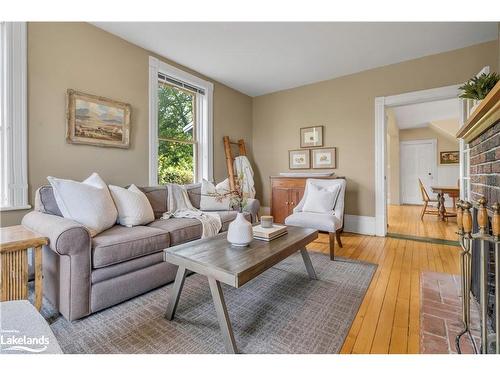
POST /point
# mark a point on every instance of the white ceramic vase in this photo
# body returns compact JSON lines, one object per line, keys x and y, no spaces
{"x":240,"y":231}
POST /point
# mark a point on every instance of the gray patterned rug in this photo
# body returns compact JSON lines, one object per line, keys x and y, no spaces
{"x":281,"y":311}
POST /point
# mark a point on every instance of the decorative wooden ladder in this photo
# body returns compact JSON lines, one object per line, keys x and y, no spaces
{"x":230,"y":158}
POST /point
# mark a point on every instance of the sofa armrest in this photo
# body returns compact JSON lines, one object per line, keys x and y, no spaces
{"x":67,"y":265}
{"x":252,"y":207}
{"x":64,"y":235}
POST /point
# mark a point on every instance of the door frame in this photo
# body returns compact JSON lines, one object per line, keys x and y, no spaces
{"x":433,"y":142}
{"x":381,"y":103}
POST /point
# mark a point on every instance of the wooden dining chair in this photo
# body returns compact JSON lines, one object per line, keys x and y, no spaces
{"x":426,"y":199}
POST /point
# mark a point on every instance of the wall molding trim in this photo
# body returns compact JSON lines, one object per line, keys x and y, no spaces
{"x":14,"y":89}
{"x":352,"y":223}
{"x":360,"y":224}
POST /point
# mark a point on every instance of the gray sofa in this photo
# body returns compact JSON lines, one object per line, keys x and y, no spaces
{"x":83,"y":275}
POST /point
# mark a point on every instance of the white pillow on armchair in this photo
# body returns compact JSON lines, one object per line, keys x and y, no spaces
{"x":321,"y":199}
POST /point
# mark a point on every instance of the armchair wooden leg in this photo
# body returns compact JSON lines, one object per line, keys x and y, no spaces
{"x":337,"y":236}
{"x":331,"y":236}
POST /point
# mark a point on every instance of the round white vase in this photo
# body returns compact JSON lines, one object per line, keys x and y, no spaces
{"x":240,"y":231}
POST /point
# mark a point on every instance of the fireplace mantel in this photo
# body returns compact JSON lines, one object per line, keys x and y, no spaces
{"x":484,"y":116}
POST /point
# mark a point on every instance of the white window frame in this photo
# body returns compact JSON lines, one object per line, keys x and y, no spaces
{"x":13,"y":116}
{"x":204,"y":119}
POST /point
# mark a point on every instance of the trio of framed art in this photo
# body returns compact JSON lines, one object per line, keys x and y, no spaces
{"x":316,"y":158}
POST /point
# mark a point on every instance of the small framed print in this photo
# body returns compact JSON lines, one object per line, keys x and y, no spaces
{"x":324,"y":158}
{"x":299,"y":159}
{"x":311,"y":136}
{"x":449,"y":157}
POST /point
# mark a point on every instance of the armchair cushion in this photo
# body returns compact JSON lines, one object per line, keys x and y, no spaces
{"x":321,"y":199}
{"x":338,"y":209}
{"x":327,"y":222}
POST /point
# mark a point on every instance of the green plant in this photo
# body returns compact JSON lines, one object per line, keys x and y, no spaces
{"x":478,"y":87}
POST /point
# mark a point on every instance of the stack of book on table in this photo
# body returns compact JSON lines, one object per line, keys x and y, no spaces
{"x":268,"y":234}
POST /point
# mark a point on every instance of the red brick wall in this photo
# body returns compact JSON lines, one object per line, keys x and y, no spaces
{"x":485,"y":165}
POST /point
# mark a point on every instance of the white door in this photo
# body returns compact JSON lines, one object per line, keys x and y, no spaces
{"x":417,"y":160}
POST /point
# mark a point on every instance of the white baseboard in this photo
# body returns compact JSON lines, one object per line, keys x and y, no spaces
{"x":352,"y":223}
{"x":359,"y":224}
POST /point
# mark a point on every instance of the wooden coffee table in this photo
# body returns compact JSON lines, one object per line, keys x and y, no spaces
{"x":235,"y":266}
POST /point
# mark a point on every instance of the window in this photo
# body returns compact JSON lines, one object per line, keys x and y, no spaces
{"x":177,"y":138}
{"x":13,"y":125}
{"x":180,"y":125}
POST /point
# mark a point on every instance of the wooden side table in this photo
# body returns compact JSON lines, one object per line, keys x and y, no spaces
{"x":14,"y":244}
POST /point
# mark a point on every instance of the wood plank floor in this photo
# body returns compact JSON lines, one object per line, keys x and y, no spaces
{"x":388,"y":320}
{"x":405,"y":219}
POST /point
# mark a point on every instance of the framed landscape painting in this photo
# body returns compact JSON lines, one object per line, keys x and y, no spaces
{"x":324,"y":158}
{"x":298,"y":159}
{"x":449,"y":157}
{"x":311,"y":136}
{"x":97,"y":121}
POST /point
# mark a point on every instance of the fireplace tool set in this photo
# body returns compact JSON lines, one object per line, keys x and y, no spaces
{"x":466,"y":238}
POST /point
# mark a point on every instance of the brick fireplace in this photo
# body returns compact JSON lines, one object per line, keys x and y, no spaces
{"x":482,"y":134}
{"x":485,"y":165}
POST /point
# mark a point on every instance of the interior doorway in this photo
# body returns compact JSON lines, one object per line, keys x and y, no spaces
{"x":417,"y":136}
{"x":412,"y":132}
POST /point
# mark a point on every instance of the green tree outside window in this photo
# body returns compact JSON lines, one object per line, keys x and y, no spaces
{"x":176,"y":134}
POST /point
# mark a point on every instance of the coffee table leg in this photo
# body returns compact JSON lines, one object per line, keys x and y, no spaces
{"x":308,"y":263}
{"x":222,"y":316}
{"x":176,"y":293}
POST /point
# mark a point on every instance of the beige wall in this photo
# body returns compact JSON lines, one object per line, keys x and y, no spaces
{"x":81,"y":56}
{"x":392,"y":157}
{"x":345,"y":106}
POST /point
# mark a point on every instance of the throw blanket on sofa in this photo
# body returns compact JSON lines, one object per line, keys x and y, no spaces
{"x":180,"y":206}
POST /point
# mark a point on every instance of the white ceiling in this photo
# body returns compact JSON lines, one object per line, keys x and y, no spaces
{"x":258,"y":58}
{"x":421,"y":114}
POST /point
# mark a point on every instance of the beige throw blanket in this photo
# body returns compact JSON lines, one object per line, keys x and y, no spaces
{"x":179,"y":206}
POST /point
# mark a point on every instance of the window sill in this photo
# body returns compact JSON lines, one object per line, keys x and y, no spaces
{"x":15,"y":208}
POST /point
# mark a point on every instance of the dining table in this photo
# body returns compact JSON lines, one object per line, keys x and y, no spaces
{"x":453,"y":192}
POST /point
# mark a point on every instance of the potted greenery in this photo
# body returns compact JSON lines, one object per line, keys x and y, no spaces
{"x":478,"y":87}
{"x":240,"y":231}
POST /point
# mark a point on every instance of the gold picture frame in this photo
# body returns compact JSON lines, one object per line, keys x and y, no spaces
{"x":97,"y":121}
{"x":311,"y":136}
{"x":449,"y":157}
{"x":324,"y":158}
{"x":299,"y":159}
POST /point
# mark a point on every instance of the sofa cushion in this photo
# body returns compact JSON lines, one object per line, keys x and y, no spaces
{"x":119,"y":244}
{"x":185,"y":230}
{"x":45,"y":201}
{"x":115,"y":270}
{"x":194,"y":193}
{"x":157,"y":196}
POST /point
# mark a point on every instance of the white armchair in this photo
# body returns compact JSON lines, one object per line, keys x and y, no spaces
{"x":331,"y":221}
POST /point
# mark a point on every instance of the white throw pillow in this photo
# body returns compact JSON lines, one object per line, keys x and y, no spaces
{"x":209,"y":202}
{"x":133,"y":206}
{"x":88,"y":203}
{"x":321,"y":199}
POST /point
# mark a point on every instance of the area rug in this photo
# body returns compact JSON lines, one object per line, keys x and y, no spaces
{"x":281,"y":311}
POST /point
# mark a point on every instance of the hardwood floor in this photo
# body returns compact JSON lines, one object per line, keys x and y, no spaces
{"x":406,"y":220}
{"x":388,"y":320}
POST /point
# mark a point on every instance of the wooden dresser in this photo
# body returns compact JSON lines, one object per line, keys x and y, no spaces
{"x":286,"y":193}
